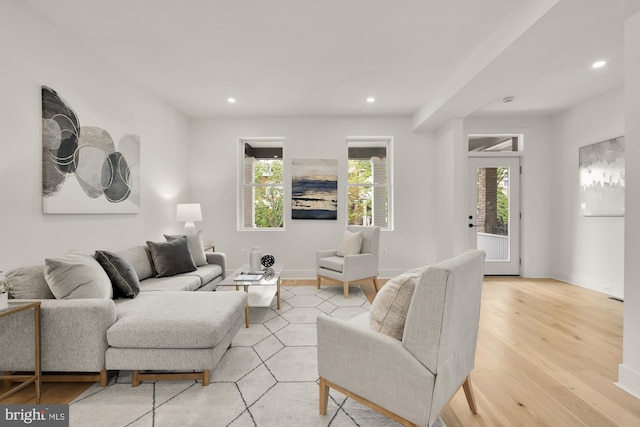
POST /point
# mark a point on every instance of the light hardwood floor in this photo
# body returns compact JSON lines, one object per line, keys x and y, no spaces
{"x":547,"y":355}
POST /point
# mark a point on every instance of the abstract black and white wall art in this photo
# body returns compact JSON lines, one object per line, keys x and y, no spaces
{"x":83,"y":171}
{"x":314,"y":189}
{"x":602,"y":178}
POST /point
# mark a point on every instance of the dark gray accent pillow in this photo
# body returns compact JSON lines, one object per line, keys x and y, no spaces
{"x":196,"y":246}
{"x":171,"y":258}
{"x":123,"y":276}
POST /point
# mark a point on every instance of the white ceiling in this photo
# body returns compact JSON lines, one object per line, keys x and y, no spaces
{"x":431,"y":59}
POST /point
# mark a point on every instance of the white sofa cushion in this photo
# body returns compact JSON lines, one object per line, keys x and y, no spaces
{"x":179,"y":282}
{"x":170,"y":320}
{"x":206,"y":273}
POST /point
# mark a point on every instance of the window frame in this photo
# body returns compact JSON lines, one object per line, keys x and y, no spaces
{"x":278,"y":142}
{"x":376,"y":141}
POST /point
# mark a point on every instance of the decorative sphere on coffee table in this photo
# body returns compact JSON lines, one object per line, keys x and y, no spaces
{"x":268,"y":260}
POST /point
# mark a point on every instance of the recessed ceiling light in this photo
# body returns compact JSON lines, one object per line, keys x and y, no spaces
{"x":231,"y":100}
{"x":599,"y":64}
{"x":371,"y":100}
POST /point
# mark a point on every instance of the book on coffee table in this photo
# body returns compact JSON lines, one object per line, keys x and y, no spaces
{"x":248,"y":276}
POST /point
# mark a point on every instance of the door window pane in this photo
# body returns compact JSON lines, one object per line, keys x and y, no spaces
{"x":493,"y":212}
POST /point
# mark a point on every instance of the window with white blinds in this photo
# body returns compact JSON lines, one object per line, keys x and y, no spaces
{"x":262,"y":184}
{"x":369,"y":183}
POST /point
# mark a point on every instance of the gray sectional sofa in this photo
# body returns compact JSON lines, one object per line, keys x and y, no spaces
{"x":173,"y":324}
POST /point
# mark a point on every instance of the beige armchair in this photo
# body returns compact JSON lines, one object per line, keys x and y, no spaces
{"x":351,"y":268}
{"x":410,"y":380}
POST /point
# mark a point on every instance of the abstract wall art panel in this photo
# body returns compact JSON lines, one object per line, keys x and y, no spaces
{"x":314,"y":189}
{"x":602,"y":178}
{"x":83,"y":169}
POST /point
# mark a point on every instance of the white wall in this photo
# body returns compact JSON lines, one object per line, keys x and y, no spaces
{"x":629,"y":370}
{"x":37,"y":52}
{"x":535,"y":185}
{"x":586,"y":251}
{"x":214,"y":159}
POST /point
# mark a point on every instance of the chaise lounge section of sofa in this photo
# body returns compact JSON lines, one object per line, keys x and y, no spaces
{"x":174,"y":323}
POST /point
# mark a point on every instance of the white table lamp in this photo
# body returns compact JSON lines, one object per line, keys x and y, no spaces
{"x":189,"y":213}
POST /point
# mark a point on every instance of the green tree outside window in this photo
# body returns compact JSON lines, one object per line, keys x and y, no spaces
{"x":269,"y":194}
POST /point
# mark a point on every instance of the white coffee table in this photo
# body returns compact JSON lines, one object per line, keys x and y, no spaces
{"x":262,"y":291}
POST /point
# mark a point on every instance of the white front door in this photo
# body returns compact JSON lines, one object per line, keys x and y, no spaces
{"x":494,"y":212}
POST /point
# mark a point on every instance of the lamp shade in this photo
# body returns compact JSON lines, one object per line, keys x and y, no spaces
{"x":188,"y":212}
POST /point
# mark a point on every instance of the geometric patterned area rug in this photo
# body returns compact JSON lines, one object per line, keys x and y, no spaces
{"x":268,"y":378}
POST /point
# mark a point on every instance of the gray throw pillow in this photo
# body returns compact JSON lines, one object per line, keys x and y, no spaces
{"x":171,"y":258}
{"x":140,"y":258}
{"x":196,"y":246}
{"x":29,"y":283}
{"x":123,"y":276}
{"x":77,"y":275}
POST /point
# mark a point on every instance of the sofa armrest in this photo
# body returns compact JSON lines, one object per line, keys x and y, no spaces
{"x":218,"y":258}
{"x":372,"y":365}
{"x":73,"y":335}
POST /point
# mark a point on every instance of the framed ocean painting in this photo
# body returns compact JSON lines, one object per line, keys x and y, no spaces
{"x":314,"y":189}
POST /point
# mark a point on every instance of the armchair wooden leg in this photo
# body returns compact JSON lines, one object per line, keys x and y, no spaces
{"x":318,"y":284}
{"x":346,"y":289}
{"x":324,"y":396}
{"x":375,"y":284}
{"x":468,"y":392}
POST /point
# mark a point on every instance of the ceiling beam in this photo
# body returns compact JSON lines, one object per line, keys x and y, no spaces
{"x":434,"y":112}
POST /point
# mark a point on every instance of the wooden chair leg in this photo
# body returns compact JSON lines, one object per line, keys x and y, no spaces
{"x":375,"y":284}
{"x":318,"y":284}
{"x":135,"y":381}
{"x":468,"y":392}
{"x":324,"y":396}
{"x":205,"y":378}
{"x":346,"y":289}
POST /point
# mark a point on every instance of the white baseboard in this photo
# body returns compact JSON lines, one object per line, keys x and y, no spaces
{"x":602,"y":286}
{"x":629,"y":380}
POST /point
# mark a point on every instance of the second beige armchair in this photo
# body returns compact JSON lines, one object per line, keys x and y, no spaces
{"x":347,"y":267}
